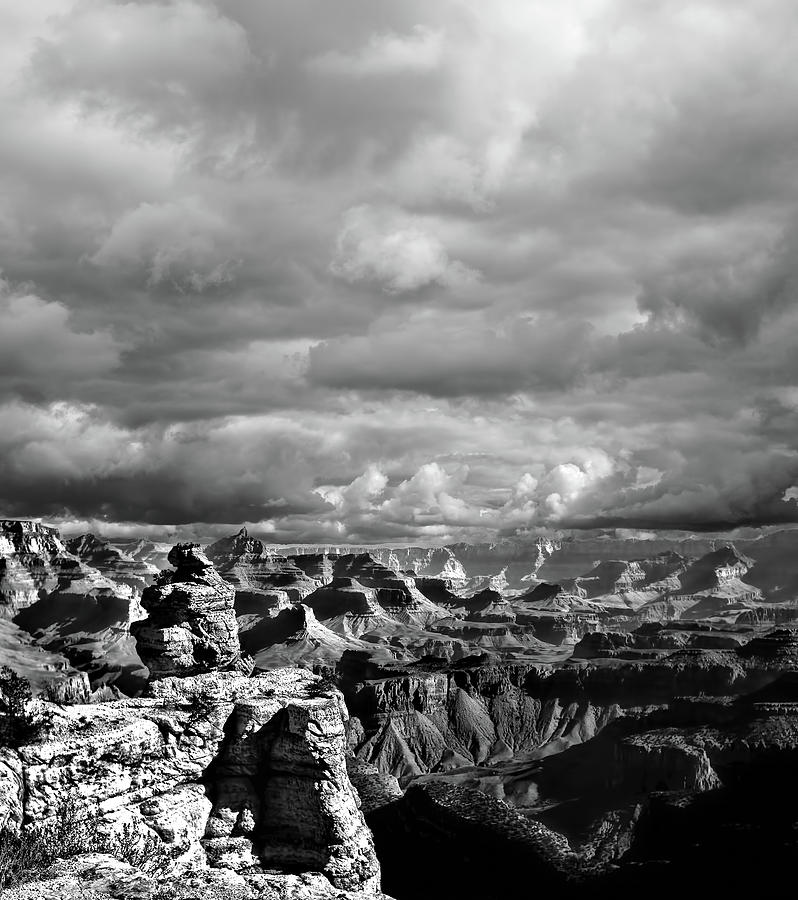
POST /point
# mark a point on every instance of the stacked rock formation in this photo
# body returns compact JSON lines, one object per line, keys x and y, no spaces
{"x":192,"y":625}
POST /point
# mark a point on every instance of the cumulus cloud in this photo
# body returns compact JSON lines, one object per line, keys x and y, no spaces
{"x":358,"y":494}
{"x":396,"y":252}
{"x":175,"y":242}
{"x":399,"y":271}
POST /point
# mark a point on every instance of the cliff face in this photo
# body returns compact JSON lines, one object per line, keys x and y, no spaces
{"x":259,"y":575}
{"x":33,"y":559}
{"x":66,"y":609}
{"x":219,"y":769}
{"x":438,"y":721}
{"x":413,"y":722}
{"x":112,"y":561}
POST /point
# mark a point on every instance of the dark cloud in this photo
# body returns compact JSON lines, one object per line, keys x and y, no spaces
{"x":40,"y":351}
{"x":398,"y":271}
{"x":456,"y":355}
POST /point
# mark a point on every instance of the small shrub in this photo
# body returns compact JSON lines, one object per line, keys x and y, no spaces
{"x":202,"y":705}
{"x":147,"y":852}
{"x":26,"y":856}
{"x":17,"y":727}
{"x":323,"y":687}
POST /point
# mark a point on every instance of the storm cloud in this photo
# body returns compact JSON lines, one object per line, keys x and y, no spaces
{"x":399,"y":272}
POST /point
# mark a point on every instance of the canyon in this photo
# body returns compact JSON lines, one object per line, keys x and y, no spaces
{"x":594,"y":713}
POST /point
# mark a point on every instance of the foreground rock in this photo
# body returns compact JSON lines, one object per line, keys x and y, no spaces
{"x":99,"y":877}
{"x":213,"y":772}
{"x":192,"y":625}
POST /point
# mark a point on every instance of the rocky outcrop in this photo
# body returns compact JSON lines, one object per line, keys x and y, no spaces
{"x":152,"y":554}
{"x":436,"y":721}
{"x":420,"y":720}
{"x":295,"y":637}
{"x":345,"y":595}
{"x":34,"y":562}
{"x":611,"y":644}
{"x":488,"y":848}
{"x":260,"y":576}
{"x":69,"y":608}
{"x":501,"y":641}
{"x":112,"y":561}
{"x":662,"y":761}
{"x":29,"y":552}
{"x":220,"y":770}
{"x":775,"y":649}
{"x":397,"y":594}
{"x":191,"y":627}
{"x":102,"y":877}
{"x":488,"y":606}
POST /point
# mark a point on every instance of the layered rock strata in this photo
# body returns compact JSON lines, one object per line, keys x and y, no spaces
{"x":416,"y":720}
{"x":191,"y":627}
{"x":59,"y":613}
{"x":112,"y":561}
{"x":261,"y":577}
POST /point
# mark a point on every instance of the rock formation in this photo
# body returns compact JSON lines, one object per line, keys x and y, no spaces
{"x":112,"y":561}
{"x":34,"y":562}
{"x":644,"y":754}
{"x":191,"y":627}
{"x":295,"y":637}
{"x":66,"y":614}
{"x":260,"y":576}
{"x":396,"y":593}
{"x":413,"y":720}
{"x":245,"y":775}
{"x":152,"y":554}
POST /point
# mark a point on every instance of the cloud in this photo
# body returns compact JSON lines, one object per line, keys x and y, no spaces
{"x":163,"y":63}
{"x":567,"y":483}
{"x":172,"y":242}
{"x":41,"y":352}
{"x":402,"y":271}
{"x":357,"y":495}
{"x":454,"y":355}
{"x":386,"y":54}
{"x":68,"y":459}
{"x":395,"y":252}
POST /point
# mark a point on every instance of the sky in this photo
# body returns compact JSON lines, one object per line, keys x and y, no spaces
{"x":373,"y":271}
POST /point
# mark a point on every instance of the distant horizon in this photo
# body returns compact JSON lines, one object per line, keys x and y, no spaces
{"x":177,"y":534}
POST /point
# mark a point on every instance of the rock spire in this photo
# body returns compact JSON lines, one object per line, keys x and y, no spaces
{"x":191,"y":627}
